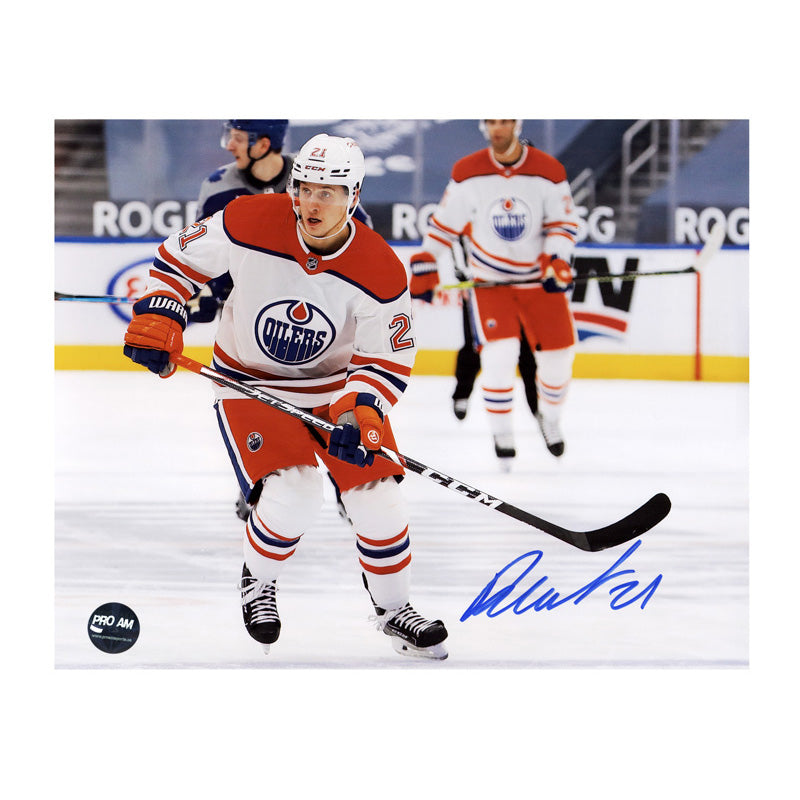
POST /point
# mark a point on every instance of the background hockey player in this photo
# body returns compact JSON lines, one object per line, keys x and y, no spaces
{"x":513,"y":204}
{"x":319,"y":315}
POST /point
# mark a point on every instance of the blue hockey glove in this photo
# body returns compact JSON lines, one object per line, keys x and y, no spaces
{"x":205,"y":306}
{"x":203,"y":309}
{"x":345,"y":444}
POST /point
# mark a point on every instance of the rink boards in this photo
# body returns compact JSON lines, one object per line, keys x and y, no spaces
{"x":674,"y":327}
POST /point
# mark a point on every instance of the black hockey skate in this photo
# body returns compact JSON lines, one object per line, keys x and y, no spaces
{"x":505,"y":450}
{"x":259,"y":609}
{"x":552,"y":435}
{"x":460,"y":405}
{"x":410,"y":633}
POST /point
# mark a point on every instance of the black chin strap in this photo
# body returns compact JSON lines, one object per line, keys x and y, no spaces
{"x":257,"y":182}
{"x":249,"y":168}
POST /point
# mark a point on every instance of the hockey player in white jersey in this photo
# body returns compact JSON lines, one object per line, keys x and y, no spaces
{"x":319,"y":315}
{"x":259,"y":167}
{"x":512,"y":203}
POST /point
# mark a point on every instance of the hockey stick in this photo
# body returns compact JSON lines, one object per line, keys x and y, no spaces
{"x":94,"y":298}
{"x":712,"y":246}
{"x":636,"y":523}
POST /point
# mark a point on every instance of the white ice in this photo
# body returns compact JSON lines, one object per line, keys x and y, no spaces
{"x":144,"y":498}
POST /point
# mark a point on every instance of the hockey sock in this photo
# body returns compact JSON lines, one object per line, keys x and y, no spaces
{"x":289,"y":504}
{"x":553,"y":376}
{"x":498,"y":372}
{"x":379,"y":516}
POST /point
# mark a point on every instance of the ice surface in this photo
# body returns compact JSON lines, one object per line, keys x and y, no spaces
{"x":144,"y":516}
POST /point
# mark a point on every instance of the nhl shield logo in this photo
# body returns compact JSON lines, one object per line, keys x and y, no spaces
{"x":312,"y":263}
{"x":254,"y":441}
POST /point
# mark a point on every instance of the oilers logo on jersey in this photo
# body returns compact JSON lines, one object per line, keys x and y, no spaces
{"x":293,"y":331}
{"x":510,"y":218}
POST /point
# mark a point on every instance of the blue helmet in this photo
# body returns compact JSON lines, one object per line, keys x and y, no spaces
{"x":275,"y":129}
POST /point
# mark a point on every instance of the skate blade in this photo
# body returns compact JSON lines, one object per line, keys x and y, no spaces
{"x":505,"y":464}
{"x":438,"y":652}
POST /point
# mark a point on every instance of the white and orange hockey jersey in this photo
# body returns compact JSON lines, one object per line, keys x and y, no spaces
{"x":307,"y":328}
{"x":508,"y":214}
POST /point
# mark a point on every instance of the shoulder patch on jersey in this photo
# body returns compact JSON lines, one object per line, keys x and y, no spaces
{"x":262,"y":222}
{"x":537,"y":164}
{"x":473,"y":165}
{"x":370,"y":264}
{"x":542,"y":165}
{"x":216,"y":175}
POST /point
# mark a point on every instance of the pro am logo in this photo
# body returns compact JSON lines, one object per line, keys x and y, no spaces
{"x":293,"y":331}
{"x":113,"y":628}
{"x":510,"y":218}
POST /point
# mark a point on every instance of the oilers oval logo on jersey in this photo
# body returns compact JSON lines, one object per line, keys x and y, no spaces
{"x":510,"y":218}
{"x":293,"y":331}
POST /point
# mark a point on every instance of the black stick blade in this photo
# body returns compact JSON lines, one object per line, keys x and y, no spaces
{"x":635,"y":524}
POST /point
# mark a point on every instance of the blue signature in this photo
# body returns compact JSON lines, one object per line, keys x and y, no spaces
{"x":488,"y":600}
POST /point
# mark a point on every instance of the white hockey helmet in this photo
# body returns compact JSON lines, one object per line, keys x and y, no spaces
{"x":517,"y":128}
{"x":330,"y":160}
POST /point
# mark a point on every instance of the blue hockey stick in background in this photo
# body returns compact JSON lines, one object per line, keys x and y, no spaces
{"x":94,"y":298}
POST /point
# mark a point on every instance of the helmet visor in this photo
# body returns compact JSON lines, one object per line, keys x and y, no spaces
{"x":235,"y":135}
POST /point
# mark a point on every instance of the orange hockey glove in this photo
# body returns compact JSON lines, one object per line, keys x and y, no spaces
{"x":155,"y":333}
{"x":361,"y":431}
{"x":424,"y":276}
{"x":556,"y":273}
